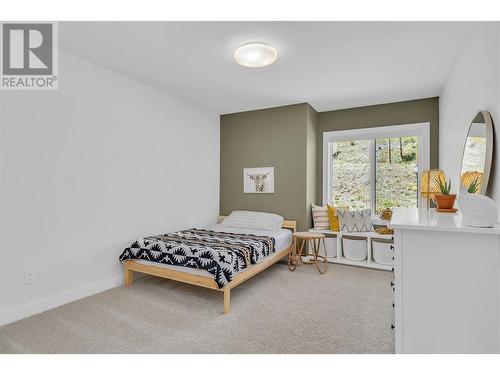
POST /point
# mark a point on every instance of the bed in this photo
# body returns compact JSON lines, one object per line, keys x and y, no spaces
{"x":219,"y":257}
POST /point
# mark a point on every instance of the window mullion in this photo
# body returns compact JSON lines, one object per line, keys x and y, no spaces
{"x":373,"y":180}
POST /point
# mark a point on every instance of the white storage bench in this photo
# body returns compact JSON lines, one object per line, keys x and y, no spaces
{"x":363,"y":249}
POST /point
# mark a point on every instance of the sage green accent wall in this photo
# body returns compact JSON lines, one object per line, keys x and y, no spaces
{"x":283,"y":138}
{"x":400,"y":113}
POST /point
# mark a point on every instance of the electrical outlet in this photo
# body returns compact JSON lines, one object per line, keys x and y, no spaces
{"x":29,"y":276}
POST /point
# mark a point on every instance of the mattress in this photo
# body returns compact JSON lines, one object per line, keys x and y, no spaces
{"x":283,"y":238}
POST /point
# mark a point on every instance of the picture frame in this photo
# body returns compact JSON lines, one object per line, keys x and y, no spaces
{"x":258,"y":180}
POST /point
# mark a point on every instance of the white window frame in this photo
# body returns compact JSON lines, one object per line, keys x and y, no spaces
{"x":420,"y":130}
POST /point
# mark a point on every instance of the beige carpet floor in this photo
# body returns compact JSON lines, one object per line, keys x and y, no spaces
{"x":347,"y":310}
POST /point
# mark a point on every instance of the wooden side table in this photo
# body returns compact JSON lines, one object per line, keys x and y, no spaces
{"x":314,"y":240}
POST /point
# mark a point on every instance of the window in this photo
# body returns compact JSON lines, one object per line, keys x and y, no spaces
{"x":375,"y":168}
{"x":350,"y":167}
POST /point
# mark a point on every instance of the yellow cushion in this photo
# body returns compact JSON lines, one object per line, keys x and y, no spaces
{"x":333,"y":217}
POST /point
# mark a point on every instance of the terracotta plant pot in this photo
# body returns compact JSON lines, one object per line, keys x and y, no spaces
{"x":445,"y":202}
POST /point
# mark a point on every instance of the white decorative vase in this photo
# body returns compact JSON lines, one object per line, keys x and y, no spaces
{"x":477,"y":210}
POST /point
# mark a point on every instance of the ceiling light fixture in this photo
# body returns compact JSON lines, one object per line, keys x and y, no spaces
{"x":255,"y":54}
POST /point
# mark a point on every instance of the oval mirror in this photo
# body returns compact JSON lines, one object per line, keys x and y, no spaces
{"x":478,"y":151}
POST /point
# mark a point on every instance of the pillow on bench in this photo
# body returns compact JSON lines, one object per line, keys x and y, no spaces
{"x":355,"y":221}
{"x":320,"y":217}
{"x":333,"y":216}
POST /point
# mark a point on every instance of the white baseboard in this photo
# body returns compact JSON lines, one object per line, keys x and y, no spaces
{"x":50,"y":302}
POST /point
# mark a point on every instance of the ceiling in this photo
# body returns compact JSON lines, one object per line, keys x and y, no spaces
{"x":330,"y":65}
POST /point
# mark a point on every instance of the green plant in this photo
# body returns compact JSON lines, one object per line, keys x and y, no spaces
{"x":444,"y":186}
{"x":474,"y":186}
{"x":409,"y":157}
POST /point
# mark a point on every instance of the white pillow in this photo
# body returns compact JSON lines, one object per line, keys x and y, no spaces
{"x":253,"y":220}
{"x":355,"y":221}
{"x":320,"y":217}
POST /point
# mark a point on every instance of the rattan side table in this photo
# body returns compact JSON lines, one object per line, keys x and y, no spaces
{"x":314,"y":240}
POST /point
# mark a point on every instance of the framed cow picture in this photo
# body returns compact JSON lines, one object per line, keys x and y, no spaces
{"x":258,"y":180}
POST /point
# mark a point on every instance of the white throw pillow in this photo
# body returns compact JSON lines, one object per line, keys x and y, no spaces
{"x":253,"y":220}
{"x":320,"y":217}
{"x":355,"y":221}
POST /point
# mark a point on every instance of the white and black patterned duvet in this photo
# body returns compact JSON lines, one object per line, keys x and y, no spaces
{"x":220,"y":253}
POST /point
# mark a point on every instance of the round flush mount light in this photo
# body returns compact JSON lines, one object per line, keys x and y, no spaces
{"x":255,"y":54}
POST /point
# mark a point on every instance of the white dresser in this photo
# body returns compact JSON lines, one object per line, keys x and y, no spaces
{"x":446,"y":284}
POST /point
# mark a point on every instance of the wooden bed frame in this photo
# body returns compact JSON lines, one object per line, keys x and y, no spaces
{"x":131,"y":266}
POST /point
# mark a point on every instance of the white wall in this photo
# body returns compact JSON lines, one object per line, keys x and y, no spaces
{"x":473,"y":85}
{"x":86,"y":168}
